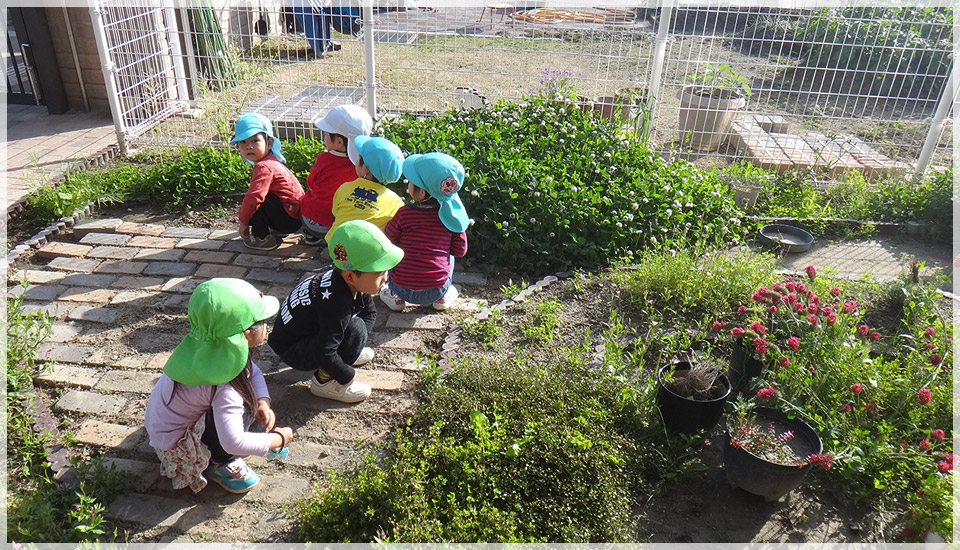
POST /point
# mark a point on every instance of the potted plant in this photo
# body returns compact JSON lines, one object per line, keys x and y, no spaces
{"x":691,"y":395}
{"x":707,"y":105}
{"x":767,"y":452}
{"x":747,"y":352}
{"x":620,"y":106}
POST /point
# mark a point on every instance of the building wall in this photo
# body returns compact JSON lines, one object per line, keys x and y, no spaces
{"x":89,"y":58}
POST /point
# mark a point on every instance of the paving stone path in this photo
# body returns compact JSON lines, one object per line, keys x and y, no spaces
{"x":118,"y":294}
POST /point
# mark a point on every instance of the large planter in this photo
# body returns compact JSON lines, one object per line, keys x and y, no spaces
{"x":762,"y":477}
{"x":619,"y":107}
{"x":687,"y":415}
{"x":705,"y":121}
{"x":743,"y":365}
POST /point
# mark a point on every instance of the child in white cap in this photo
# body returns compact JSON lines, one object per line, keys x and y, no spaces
{"x":271,"y":207}
{"x":379,"y":163}
{"x":195,"y":414}
{"x":323,"y":324}
{"x":333,"y":167}
{"x":430,"y":232}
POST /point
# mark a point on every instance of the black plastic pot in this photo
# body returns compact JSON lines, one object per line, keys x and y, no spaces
{"x":684,"y":414}
{"x":764,"y":478}
{"x":743,"y":365}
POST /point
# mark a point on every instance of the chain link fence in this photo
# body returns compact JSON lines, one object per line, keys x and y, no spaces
{"x":834,"y":88}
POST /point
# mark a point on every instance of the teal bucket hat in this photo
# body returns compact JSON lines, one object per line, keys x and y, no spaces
{"x":442,"y":177}
{"x":215,"y":350}
{"x":382,"y":157}
{"x":251,"y":124}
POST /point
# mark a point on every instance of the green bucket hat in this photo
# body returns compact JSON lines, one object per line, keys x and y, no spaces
{"x":358,"y":245}
{"x":215,"y":350}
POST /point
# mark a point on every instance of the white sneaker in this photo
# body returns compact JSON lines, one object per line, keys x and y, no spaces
{"x":448,"y":298}
{"x":366,"y":355}
{"x":390,"y":298}
{"x":353,"y":392}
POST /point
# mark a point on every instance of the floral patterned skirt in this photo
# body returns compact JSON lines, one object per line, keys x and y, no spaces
{"x":187,"y":460}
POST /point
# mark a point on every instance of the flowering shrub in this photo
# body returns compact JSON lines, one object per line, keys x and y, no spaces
{"x":880,"y":401}
{"x":550,"y":187}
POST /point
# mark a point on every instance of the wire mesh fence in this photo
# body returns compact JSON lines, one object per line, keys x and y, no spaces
{"x":835,"y":88}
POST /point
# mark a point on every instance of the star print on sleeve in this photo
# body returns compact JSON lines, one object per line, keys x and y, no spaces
{"x":326,"y":294}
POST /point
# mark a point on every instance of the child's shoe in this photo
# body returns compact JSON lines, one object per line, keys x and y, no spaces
{"x":234,"y":476}
{"x":311,"y":240}
{"x":366,"y":355}
{"x":448,"y":298}
{"x":390,"y":298}
{"x":270,"y":242}
{"x":353,"y":392}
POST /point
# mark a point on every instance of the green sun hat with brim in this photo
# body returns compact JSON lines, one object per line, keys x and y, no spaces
{"x":215,"y":350}
{"x":358,"y":245}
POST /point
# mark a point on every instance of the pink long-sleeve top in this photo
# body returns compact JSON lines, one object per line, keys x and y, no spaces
{"x":271,"y":176}
{"x":166,"y":423}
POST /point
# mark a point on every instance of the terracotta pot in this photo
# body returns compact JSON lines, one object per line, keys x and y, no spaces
{"x":762,"y":477}
{"x":705,"y":121}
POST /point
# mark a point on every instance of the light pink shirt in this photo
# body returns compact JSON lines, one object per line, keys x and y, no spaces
{"x":166,"y":424}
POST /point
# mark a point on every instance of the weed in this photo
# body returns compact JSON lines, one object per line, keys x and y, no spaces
{"x":484,"y":331}
{"x":543,"y":321}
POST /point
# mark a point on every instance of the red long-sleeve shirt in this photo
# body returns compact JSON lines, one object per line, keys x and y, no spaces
{"x":271,"y":176}
{"x":328,"y":173}
{"x":427,"y":246}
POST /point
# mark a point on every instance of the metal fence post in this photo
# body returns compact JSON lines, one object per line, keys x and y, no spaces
{"x":936,"y":126}
{"x":371,"y":69}
{"x":659,"y":57}
{"x":108,"y":68}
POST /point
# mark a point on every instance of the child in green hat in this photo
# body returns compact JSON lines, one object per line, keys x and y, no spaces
{"x":195,"y":414}
{"x":323,"y":324}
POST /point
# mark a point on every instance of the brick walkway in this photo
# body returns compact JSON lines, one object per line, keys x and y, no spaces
{"x":107,"y":275}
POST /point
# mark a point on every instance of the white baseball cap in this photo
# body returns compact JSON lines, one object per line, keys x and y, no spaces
{"x":349,"y":121}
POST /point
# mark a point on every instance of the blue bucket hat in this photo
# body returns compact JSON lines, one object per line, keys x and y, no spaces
{"x":251,"y":124}
{"x":382,"y":157}
{"x":442,"y":176}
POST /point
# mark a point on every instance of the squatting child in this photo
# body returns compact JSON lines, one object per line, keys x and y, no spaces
{"x":333,"y":167}
{"x":271,"y":207}
{"x":430,"y":232}
{"x":367,"y":198}
{"x":324,"y":322}
{"x":195,"y":414}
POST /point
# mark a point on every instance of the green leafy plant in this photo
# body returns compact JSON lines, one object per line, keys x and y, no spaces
{"x":543,"y":321}
{"x":484,"y":331}
{"x":718,"y":82}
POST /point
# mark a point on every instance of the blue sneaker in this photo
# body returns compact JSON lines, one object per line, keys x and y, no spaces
{"x":234,"y":476}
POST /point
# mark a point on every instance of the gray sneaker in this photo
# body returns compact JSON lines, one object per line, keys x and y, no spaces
{"x":270,"y":242}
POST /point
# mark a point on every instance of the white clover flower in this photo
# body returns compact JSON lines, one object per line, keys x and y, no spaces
{"x":506,"y":224}
{"x":653,"y":239}
{"x":575,"y":189}
{"x":452,"y":146}
{"x":628,"y":217}
{"x":619,"y":224}
{"x":634,"y":206}
{"x":606,"y":155}
{"x":669,"y":212}
{"x":687,"y":225}
{"x":509,"y":172}
{"x":688,"y":205}
{"x":725,"y":229}
{"x":472,"y":221}
{"x":552,"y":234}
{"x":533,"y":220}
{"x":536,"y":193}
{"x":474,"y":193}
{"x":666,"y":188}
{"x":645,"y":200}
{"x":548,"y":180}
{"x":561,"y":140}
{"x":516,"y":124}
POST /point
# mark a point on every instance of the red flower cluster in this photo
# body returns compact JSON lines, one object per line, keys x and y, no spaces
{"x":874,"y":336}
{"x":793,"y":343}
{"x":760,"y":346}
{"x":935,"y":359}
{"x":822,"y":460}
{"x":845,"y":408}
{"x":767,"y":393}
{"x":784,"y":361}
{"x":835,"y":291}
{"x":737,"y":331}
{"x":925,"y":445}
{"x":938,"y":434}
{"x":929,"y":332}
{"x":848,"y":307}
{"x":811,"y":272}
{"x":947,"y":462}
{"x":856,"y":388}
{"x":923,"y":396}
{"x":863,"y":330}
{"x":758,"y":327}
{"x":870,"y":408}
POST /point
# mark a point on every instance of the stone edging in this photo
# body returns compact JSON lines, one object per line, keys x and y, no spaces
{"x":451,"y":342}
{"x":44,"y":235}
{"x":99,"y":159}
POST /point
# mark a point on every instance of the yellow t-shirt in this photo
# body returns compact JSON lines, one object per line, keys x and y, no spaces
{"x":363,"y":199}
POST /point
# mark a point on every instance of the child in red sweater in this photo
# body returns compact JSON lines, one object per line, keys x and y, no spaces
{"x":430,"y":232}
{"x":333,"y":167}
{"x":271,"y":207}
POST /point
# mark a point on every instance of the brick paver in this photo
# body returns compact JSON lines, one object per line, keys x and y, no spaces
{"x":124,"y":268}
{"x":36,"y":277}
{"x":88,"y":279}
{"x":149,"y":509}
{"x":105,"y":225}
{"x":93,"y":314}
{"x":140,"y":283}
{"x":199,"y":244}
{"x":127,"y":381}
{"x":70,"y":375}
{"x":113,"y":239}
{"x":142,"y":474}
{"x":133,"y":228}
{"x":105,"y":434}
{"x":91,"y":402}
{"x":57,"y":248}
{"x":82,"y":265}
{"x":83,"y":294}
{"x":170,"y":268}
{"x":186,"y":232}
{"x":209,"y":271}
{"x":113,"y":253}
{"x":145,"y":241}
{"x":161,"y":254}
{"x":209,"y":256}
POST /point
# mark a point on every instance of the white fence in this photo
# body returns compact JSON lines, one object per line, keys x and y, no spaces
{"x":829,"y":86}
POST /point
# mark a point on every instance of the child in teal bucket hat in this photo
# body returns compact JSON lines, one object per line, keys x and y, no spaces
{"x":379,"y":163}
{"x":271,"y":207}
{"x":323,"y":324}
{"x":430,"y":232}
{"x":195,"y":414}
